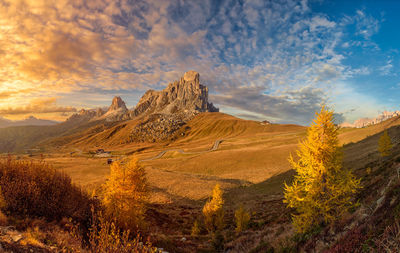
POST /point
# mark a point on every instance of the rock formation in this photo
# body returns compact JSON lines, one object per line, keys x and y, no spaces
{"x":161,"y":113}
{"x":117,"y":111}
{"x":363,"y":122}
{"x":164,"y":112}
{"x":117,"y":104}
{"x":185,"y":96}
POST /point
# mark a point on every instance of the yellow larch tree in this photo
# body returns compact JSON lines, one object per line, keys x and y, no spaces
{"x":213,"y":211}
{"x":322,"y":189}
{"x":242,"y":219}
{"x":126,"y":193}
{"x":385,"y":144}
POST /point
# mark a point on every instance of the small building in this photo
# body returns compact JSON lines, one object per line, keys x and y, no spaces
{"x":100,"y":151}
{"x":109,"y":161}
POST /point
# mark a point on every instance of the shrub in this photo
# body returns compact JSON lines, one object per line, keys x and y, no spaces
{"x":389,"y":241}
{"x":195,"y":228}
{"x":242,"y":219}
{"x":213,"y":211}
{"x":35,"y":189}
{"x":105,"y":236}
{"x":385,"y":144}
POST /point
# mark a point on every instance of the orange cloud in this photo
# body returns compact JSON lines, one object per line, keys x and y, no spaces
{"x":44,"y":105}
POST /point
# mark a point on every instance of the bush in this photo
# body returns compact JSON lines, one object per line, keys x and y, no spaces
{"x":35,"y":189}
{"x":105,"y":236}
{"x":242,"y":219}
{"x":195,"y":229}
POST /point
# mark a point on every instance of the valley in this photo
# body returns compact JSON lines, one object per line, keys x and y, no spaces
{"x":186,"y":153}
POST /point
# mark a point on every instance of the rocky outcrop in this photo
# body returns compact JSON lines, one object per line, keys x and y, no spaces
{"x":117,"y":104}
{"x":156,"y":127}
{"x":186,"y":96}
{"x":164,"y":112}
{"x":117,"y":111}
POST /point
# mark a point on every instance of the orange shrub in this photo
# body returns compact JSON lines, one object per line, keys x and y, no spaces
{"x":35,"y":189}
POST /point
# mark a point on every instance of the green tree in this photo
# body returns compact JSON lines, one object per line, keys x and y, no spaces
{"x":213,"y":211}
{"x":385,"y":144}
{"x":322,"y":189}
{"x":125,"y":194}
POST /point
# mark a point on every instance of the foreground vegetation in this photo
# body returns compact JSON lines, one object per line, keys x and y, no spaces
{"x":33,"y":192}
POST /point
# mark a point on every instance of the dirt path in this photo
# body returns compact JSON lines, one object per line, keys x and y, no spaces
{"x":162,"y":153}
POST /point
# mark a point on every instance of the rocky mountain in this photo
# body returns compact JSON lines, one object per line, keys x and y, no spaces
{"x":363,"y":122}
{"x":159,"y":113}
{"x":165,"y":112}
{"x":117,"y":111}
{"x":30,"y":121}
{"x":186,"y":96}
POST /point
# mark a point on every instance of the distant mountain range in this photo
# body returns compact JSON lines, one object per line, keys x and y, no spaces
{"x":363,"y":122}
{"x":30,"y":121}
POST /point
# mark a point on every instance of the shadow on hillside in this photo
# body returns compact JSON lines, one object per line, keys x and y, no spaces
{"x":360,"y":154}
{"x":271,"y":188}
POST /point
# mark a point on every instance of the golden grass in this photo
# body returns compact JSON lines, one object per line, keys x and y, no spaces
{"x":251,"y":153}
{"x":348,"y":135}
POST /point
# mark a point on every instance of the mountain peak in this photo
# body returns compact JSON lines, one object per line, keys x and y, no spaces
{"x":117,"y":103}
{"x":191,"y":76}
{"x":186,"y":96}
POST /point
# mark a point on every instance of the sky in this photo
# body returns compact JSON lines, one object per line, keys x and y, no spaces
{"x":270,"y":60}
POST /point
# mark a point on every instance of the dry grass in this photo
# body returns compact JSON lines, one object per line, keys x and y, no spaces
{"x":250,"y":153}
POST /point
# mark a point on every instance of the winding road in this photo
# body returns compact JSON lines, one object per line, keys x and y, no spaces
{"x":162,"y":153}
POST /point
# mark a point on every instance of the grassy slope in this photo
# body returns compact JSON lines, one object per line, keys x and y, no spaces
{"x":348,"y":135}
{"x":251,"y":165}
{"x":18,"y":139}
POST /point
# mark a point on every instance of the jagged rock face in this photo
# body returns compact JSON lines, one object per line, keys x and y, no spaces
{"x":186,"y":96}
{"x":99,"y":112}
{"x":117,"y":104}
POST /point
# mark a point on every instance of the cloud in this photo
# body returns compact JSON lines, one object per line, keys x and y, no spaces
{"x":254,"y":55}
{"x":292,"y":107}
{"x":366,"y":25}
{"x":44,"y":105}
{"x":386,"y":69}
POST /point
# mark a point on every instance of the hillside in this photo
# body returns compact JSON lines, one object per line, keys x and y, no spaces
{"x":19,"y":139}
{"x":348,"y":135}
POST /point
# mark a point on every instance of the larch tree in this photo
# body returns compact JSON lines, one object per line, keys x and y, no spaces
{"x":213,"y":211}
{"x":322,"y":189}
{"x":385,"y":144}
{"x":126,"y":193}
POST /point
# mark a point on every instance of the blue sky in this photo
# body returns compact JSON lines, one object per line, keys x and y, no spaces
{"x":274,"y":60}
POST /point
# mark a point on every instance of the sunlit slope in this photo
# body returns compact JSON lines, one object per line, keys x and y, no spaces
{"x":220,"y":126}
{"x":19,"y":139}
{"x":104,"y":135}
{"x":348,"y":135}
{"x":249,"y":151}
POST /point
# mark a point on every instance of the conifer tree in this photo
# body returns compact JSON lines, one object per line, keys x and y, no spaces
{"x":322,"y":189}
{"x":385,"y":144}
{"x":242,"y":219}
{"x":125,"y":194}
{"x":213,"y":211}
